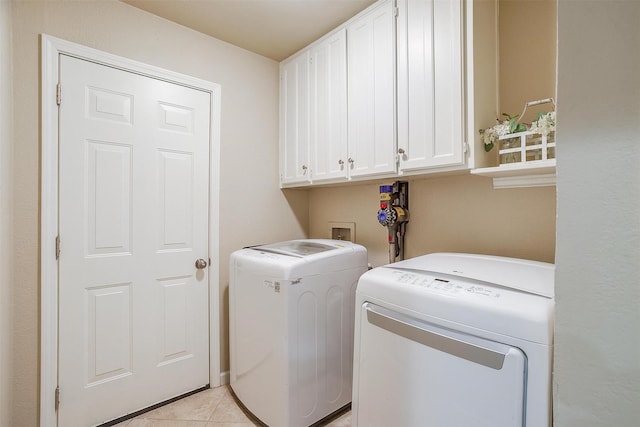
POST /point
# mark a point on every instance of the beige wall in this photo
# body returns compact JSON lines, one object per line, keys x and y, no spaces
{"x":457,"y":213}
{"x":5,"y":215}
{"x":253,"y":209}
{"x":597,"y":340}
{"x":527,"y":54}
{"x":463,"y":213}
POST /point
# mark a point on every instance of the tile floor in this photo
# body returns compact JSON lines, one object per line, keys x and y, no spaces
{"x":210,"y":408}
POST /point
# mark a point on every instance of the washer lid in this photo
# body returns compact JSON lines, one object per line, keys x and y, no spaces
{"x":524,"y":275}
{"x":302,"y":248}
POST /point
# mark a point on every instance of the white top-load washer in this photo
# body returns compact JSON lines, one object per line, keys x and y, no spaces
{"x":454,"y":340}
{"x":291,"y":309}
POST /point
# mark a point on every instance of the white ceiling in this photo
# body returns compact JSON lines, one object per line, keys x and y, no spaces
{"x":272,"y":28}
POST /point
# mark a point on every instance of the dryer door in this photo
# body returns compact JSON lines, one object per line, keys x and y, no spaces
{"x":415,"y":374}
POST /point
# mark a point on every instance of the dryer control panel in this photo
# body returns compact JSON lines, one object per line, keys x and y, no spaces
{"x":443,"y":285}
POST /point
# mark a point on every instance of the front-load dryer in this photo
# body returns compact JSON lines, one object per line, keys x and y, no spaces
{"x":291,"y":309}
{"x":454,"y":340}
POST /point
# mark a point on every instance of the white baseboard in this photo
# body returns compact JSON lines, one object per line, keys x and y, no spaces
{"x":225,"y":378}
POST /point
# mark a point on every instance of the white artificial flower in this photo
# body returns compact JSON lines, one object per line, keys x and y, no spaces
{"x":491,"y":135}
{"x":545,"y":124}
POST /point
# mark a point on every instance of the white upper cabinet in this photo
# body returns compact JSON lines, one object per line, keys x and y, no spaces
{"x":430,"y":84}
{"x":328,"y":107}
{"x":371,"y":91}
{"x":401,"y":88}
{"x":294,"y":120}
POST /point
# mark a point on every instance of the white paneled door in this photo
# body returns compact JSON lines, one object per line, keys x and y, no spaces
{"x":133,"y":221}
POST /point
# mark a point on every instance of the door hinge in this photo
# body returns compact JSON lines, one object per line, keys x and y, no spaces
{"x":57,"y":398}
{"x":395,"y":12}
{"x":58,"y":94}
{"x":57,"y":247}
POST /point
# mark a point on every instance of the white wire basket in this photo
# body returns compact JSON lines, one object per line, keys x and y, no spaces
{"x":527,"y":146}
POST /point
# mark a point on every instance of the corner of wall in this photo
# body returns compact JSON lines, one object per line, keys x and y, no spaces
{"x":6,"y":324}
{"x":597,"y":347}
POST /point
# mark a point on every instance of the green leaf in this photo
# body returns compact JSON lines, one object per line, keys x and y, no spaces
{"x":512,"y":125}
{"x":509,"y":116}
{"x":515,"y":127}
{"x":488,"y":147}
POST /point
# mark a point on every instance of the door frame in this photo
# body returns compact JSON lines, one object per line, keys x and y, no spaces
{"x":51,"y":48}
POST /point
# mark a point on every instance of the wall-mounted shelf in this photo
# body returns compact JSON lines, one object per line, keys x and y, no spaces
{"x":517,"y":175}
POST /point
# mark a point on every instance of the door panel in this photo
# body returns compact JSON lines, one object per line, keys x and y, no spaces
{"x":371,"y":92}
{"x":134,"y":185}
{"x":328,"y":115}
{"x":413,"y":373}
{"x":109,"y":332}
{"x":109,"y":207}
{"x":430,"y":83}
{"x":294,"y":119}
{"x":175,"y":178}
{"x":176,"y":342}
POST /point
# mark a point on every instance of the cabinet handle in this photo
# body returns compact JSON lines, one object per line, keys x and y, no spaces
{"x":340,"y":162}
{"x":304,"y":169}
{"x":400,"y":150}
{"x":350,"y":160}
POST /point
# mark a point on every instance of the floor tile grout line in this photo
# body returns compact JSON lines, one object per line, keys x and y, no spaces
{"x":226,"y":392}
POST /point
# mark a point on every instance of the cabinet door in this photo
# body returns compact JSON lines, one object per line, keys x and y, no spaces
{"x":371,"y":92}
{"x":430,"y":84}
{"x":294,"y":120}
{"x":328,"y":78}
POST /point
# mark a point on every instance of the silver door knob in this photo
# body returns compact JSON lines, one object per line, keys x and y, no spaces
{"x":201,"y":264}
{"x":400,"y":150}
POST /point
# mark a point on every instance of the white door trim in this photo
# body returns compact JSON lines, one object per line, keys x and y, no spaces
{"x":51,"y":48}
